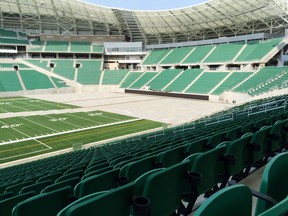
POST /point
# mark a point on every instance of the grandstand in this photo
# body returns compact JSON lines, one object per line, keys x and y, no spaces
{"x":102,"y":106}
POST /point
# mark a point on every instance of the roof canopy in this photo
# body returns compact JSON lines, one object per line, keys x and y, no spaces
{"x":213,"y":19}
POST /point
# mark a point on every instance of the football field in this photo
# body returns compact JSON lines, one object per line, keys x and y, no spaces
{"x":22,"y":104}
{"x":27,"y":136}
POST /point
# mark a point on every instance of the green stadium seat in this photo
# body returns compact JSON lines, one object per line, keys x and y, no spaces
{"x":64,"y":68}
{"x":8,"y":77}
{"x":274,"y":182}
{"x":6,"y":195}
{"x":97,"y":183}
{"x":155,"y":56}
{"x":97,"y":49}
{"x":207,"y":170}
{"x":231,"y":81}
{"x":163,"y":189}
{"x":46,"y":204}
{"x":256,"y":51}
{"x":235,"y":200}
{"x":56,"y":46}
{"x":80,"y":47}
{"x":135,"y":169}
{"x":37,"y":187}
{"x":279,"y":209}
{"x":52,"y":177}
{"x":183,"y":81}
{"x":16,"y":188}
{"x":35,"y":80}
{"x":224,"y":53}
{"x":68,"y":182}
{"x":206,"y":82}
{"x":163,"y":78}
{"x":90,"y":72}
{"x":172,"y":156}
{"x":8,"y":204}
{"x":113,"y":77}
{"x":131,"y":78}
{"x":176,"y":56}
{"x":115,"y":202}
{"x":198,"y":54}
{"x":78,"y":174}
{"x":143,"y":80}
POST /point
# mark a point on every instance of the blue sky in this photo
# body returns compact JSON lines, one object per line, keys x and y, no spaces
{"x":146,"y":4}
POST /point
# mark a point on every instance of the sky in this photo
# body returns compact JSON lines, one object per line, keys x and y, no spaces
{"x":146,"y":4}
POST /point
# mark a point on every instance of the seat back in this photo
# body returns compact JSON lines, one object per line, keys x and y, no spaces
{"x":240,"y":150}
{"x":164,"y":189}
{"x":171,"y":156}
{"x":274,"y":181}
{"x":235,"y":200}
{"x":135,"y":169}
{"x":69,"y":182}
{"x":115,"y":202}
{"x":46,"y":204}
{"x":280,"y":209}
{"x":93,"y":184}
{"x":8,"y":204}
{"x":37,"y":187}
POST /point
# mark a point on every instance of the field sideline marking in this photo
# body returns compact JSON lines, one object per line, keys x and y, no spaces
{"x":67,"y":132}
{"x":23,"y":154}
{"x":32,"y":138}
{"x":55,"y":103}
{"x":38,"y":123}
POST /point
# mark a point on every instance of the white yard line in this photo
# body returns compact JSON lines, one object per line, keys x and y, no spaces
{"x":83,"y":118}
{"x":30,"y":138}
{"x":38,"y":124}
{"x":50,"y":117}
{"x":65,"y":132}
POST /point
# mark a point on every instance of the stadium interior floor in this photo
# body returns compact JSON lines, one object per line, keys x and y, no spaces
{"x":157,"y":108}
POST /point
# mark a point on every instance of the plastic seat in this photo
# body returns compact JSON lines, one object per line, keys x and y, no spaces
{"x":46,"y":204}
{"x":115,"y":202}
{"x":172,"y":156}
{"x":164,"y":189}
{"x":280,"y":209}
{"x":135,"y":169}
{"x":69,"y":182}
{"x":51,"y":177}
{"x":16,"y":188}
{"x":274,"y":181}
{"x":101,"y":182}
{"x":37,"y":187}
{"x":70,"y":175}
{"x":235,"y":200}
{"x":239,"y":151}
{"x":8,"y":204}
{"x":207,"y":170}
{"x":6,"y":195}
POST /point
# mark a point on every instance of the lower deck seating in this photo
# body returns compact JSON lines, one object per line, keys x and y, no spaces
{"x":35,"y":80}
{"x":113,"y":77}
{"x":143,"y":80}
{"x":89,"y":73}
{"x":206,"y":82}
{"x":6,"y":79}
{"x":156,"y":159}
{"x":131,"y":78}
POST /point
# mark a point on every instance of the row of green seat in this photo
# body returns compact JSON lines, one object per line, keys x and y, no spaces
{"x":63,"y":47}
{"x":211,"y":53}
{"x":263,"y":75}
{"x":12,"y":34}
{"x":112,"y":165}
